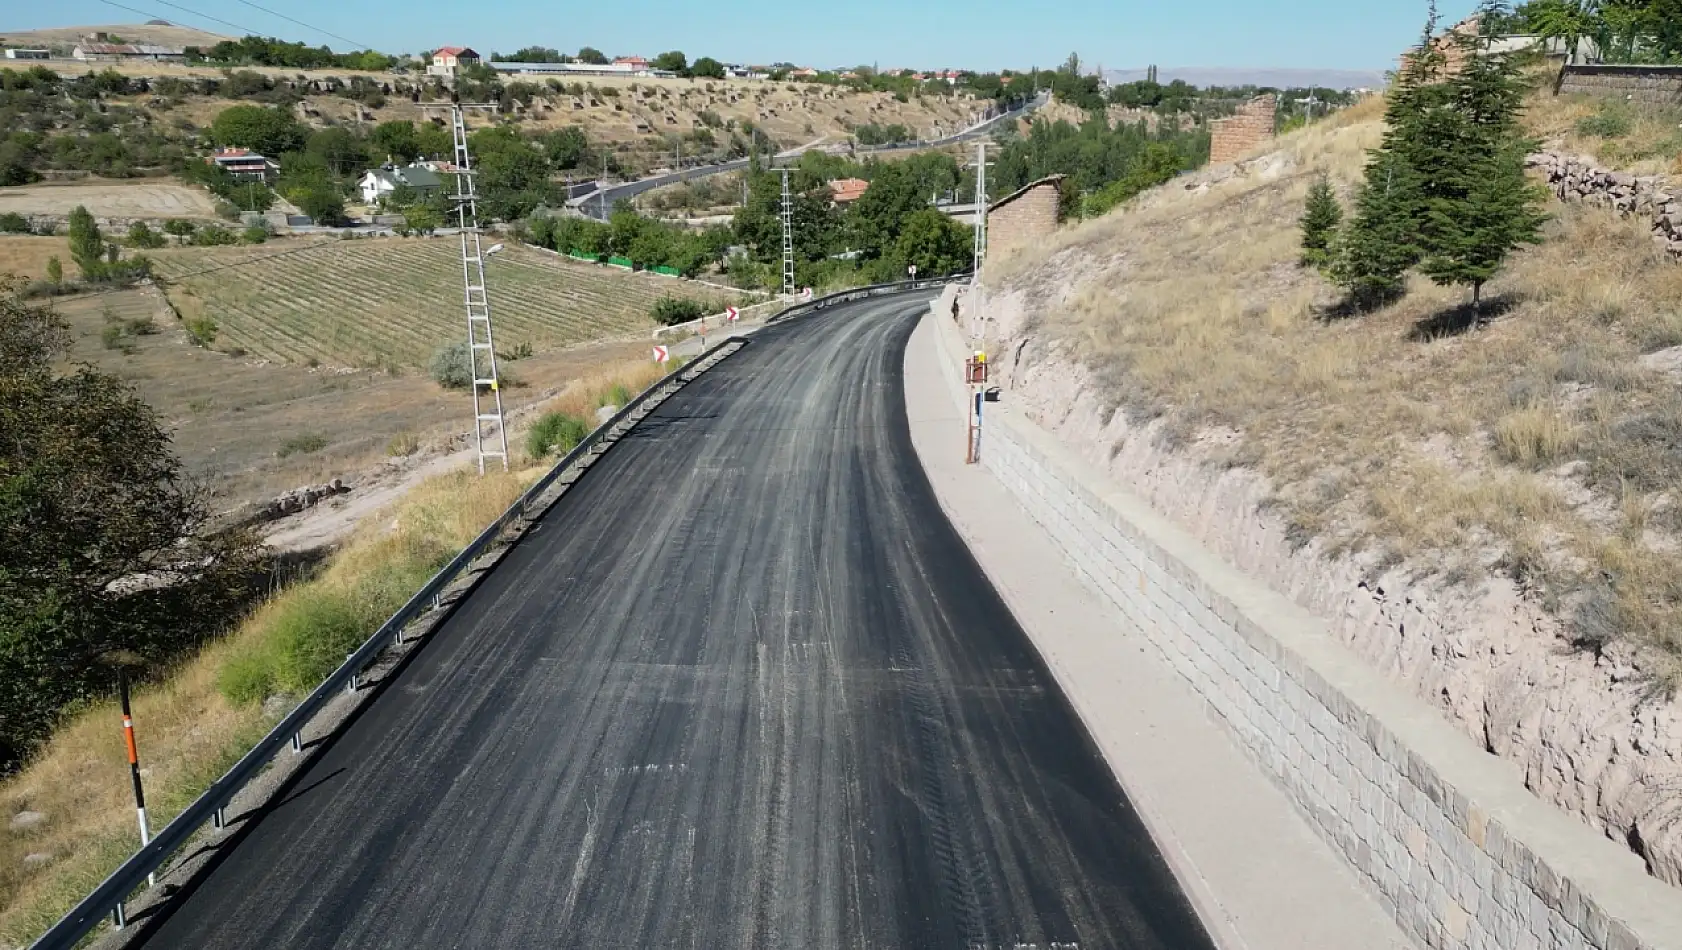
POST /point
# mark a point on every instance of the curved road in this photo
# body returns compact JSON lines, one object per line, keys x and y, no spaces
{"x":744,"y":686}
{"x":595,"y":205}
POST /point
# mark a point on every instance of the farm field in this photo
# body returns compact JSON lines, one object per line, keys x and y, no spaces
{"x":390,"y":303}
{"x":251,"y":429}
{"x":139,"y":198}
{"x":27,"y":256}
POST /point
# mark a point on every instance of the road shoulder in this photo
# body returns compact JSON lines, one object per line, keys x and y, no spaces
{"x":1257,"y":874}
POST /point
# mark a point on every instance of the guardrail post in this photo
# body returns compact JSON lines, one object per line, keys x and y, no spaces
{"x":219,"y":818}
{"x":119,"y":916}
{"x":297,"y":742}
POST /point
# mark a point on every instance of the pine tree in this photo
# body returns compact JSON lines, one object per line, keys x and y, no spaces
{"x":87,"y":245}
{"x":1320,"y":219}
{"x":1482,"y":206}
{"x":1371,"y":256}
{"x":1375,"y":250}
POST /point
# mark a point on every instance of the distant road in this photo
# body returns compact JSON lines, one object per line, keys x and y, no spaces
{"x":743,"y":687}
{"x":599,"y":203}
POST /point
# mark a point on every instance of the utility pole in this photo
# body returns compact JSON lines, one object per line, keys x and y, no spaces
{"x":788,"y":237}
{"x":490,"y":434}
{"x":601,"y":188}
{"x":980,"y":208}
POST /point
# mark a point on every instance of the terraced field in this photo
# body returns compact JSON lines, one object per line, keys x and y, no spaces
{"x":389,"y":303}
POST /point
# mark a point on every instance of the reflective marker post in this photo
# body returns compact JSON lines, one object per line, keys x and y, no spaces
{"x":134,"y":767}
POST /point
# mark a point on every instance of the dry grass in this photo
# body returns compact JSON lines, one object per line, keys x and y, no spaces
{"x":27,"y":256}
{"x":1543,"y":446}
{"x":1640,"y":137}
{"x":187,"y":731}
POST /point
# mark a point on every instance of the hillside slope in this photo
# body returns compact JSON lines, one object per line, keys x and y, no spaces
{"x":161,"y":34}
{"x":1489,"y":517}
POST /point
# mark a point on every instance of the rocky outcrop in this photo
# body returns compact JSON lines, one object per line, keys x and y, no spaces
{"x":1576,"y":178}
{"x":1581,"y":729}
{"x":294,"y":501}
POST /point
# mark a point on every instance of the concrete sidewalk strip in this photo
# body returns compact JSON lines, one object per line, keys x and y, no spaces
{"x":1257,"y":874}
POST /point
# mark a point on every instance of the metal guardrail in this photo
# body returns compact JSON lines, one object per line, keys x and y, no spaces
{"x":109,"y":897}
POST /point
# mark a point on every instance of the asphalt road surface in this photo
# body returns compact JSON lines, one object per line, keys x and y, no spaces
{"x":744,"y":687}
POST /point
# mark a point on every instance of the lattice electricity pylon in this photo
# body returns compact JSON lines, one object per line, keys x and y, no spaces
{"x":490,"y":435}
{"x":788,"y":237}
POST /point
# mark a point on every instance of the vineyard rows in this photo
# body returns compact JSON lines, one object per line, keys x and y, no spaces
{"x":393,"y":302}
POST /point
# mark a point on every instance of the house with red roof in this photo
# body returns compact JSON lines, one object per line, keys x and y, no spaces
{"x":446,"y":61}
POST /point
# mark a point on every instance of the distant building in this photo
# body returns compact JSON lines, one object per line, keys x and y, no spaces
{"x":98,"y":48}
{"x":1025,"y":216}
{"x":570,"y":69}
{"x":804,"y":72}
{"x":635,"y":62}
{"x":244,"y":164}
{"x":448,"y":60}
{"x":377,"y":183}
{"x":29,"y":54}
{"x":845,"y":191}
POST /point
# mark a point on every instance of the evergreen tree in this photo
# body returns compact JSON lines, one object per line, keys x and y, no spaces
{"x":1374,"y":252}
{"x":1320,"y":219}
{"x":1372,"y":255}
{"x":1482,"y":206}
{"x":87,"y":245}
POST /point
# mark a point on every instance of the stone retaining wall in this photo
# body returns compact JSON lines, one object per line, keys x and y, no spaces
{"x":1577,"y":178}
{"x":1457,"y":850}
{"x":1662,"y":84}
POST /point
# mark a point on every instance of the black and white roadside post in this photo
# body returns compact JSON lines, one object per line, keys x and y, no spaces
{"x":134,"y":767}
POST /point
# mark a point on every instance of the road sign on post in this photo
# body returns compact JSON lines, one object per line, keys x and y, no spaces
{"x":661,"y":354}
{"x":731,"y":314}
{"x":913,"y":270}
{"x":806,"y":293}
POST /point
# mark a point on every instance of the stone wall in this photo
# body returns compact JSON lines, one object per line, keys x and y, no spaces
{"x":1662,"y":84}
{"x":1459,"y":852}
{"x":1238,"y":135}
{"x":1024,"y":217}
{"x":1577,"y":178}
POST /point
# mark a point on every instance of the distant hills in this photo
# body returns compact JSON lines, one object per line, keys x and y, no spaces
{"x":155,"y":33}
{"x":1240,"y":76}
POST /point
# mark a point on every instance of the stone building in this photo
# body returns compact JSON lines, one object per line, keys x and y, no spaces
{"x":1231,"y":138}
{"x":1024,"y":216}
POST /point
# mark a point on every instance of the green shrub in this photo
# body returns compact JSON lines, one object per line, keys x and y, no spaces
{"x":141,"y":236}
{"x":555,"y":433}
{"x":451,"y":367}
{"x":214,"y":235}
{"x":202,"y":330}
{"x":302,"y":445}
{"x":114,"y":338}
{"x":313,"y":632}
{"x":247,"y":677}
{"x":619,"y":395}
{"x":13,"y":223}
{"x":256,"y":234}
{"x":671,"y":311}
{"x":1610,"y":122}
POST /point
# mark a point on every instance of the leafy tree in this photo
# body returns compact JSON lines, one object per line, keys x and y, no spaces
{"x":87,"y":456}
{"x":139,"y":235}
{"x":322,"y":202}
{"x":422,"y":219}
{"x":1157,"y":164}
{"x":340,"y":150}
{"x":875,"y":219}
{"x":55,"y":271}
{"x":671,"y":61}
{"x":934,"y":243}
{"x":181,"y":228}
{"x":264,"y":130}
{"x":1568,"y":21}
{"x":707,"y":68}
{"x":1320,"y":219}
{"x":87,"y":244}
{"x":567,"y":148}
{"x":592,"y":56}
{"x":397,"y":140}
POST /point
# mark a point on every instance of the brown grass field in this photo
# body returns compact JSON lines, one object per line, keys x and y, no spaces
{"x":1542,"y":447}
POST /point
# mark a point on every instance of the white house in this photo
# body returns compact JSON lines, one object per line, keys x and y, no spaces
{"x":377,"y":183}
{"x":448,"y":60}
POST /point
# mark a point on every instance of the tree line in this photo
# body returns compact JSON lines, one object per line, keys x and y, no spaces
{"x":1624,"y":31}
{"x":1445,"y":191}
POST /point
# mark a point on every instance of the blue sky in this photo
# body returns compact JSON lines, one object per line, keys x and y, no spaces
{"x":979,"y":34}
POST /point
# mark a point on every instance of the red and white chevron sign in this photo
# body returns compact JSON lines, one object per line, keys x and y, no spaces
{"x":731,"y":314}
{"x":661,"y":354}
{"x":806,"y":293}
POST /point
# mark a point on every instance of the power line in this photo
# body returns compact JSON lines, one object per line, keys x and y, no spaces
{"x":306,"y":26}
{"x":204,"y":16}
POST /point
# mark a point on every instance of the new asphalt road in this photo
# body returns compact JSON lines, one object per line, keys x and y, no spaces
{"x":744,"y":687}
